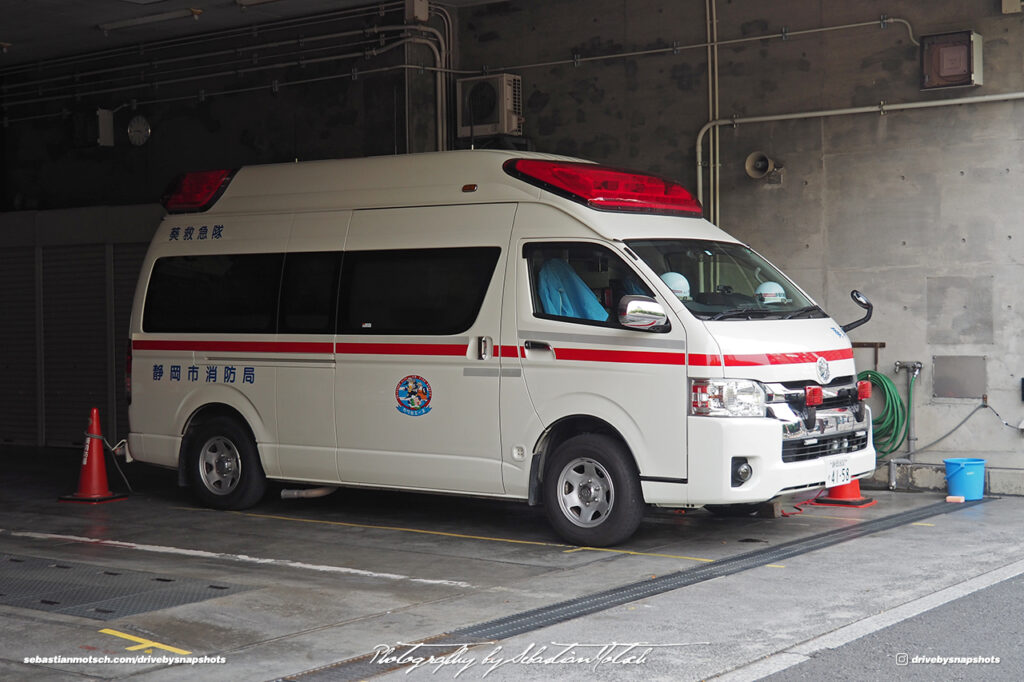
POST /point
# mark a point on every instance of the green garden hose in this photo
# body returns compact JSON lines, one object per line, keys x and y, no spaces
{"x":890,"y":427}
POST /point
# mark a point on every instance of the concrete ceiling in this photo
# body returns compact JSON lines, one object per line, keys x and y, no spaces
{"x":34,"y":30}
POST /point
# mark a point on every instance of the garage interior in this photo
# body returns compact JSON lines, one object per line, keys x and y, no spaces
{"x":820,"y":133}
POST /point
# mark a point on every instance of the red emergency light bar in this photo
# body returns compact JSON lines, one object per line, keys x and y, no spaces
{"x":196,"y":191}
{"x":605,"y":188}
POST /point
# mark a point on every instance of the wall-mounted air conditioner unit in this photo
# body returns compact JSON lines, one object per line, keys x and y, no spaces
{"x":490,"y":105}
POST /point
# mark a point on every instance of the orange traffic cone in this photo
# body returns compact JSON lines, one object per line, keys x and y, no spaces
{"x":92,"y":482}
{"x":846,"y":495}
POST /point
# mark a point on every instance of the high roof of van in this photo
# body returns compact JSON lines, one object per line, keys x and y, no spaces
{"x":463,"y":177}
{"x":428,"y":179}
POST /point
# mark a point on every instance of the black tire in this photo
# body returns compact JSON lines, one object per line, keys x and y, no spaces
{"x":733,"y":510}
{"x":591,"y":491}
{"x":223,"y":465}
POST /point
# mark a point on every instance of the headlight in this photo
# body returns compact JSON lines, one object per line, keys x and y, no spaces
{"x":727,"y":398}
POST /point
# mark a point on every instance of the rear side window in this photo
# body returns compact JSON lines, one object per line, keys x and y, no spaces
{"x":227,"y":294}
{"x":309,"y":292}
{"x":414,"y":291}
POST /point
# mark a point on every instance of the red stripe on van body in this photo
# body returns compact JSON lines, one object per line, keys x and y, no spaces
{"x":508,"y":351}
{"x":445,"y":349}
{"x":236,"y":346}
{"x":763,"y":359}
{"x":701,"y":360}
{"x":786,"y":358}
{"x":626,"y":356}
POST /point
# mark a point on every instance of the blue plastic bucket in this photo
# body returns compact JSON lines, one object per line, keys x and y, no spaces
{"x":965,"y":476}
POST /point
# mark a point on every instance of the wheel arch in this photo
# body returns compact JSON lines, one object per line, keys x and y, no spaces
{"x":560,"y":431}
{"x":201,"y":415}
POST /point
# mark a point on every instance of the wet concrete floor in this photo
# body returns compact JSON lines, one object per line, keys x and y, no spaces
{"x":343,"y":587}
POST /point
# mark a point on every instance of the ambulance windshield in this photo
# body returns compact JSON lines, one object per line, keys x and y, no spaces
{"x":723,"y":280}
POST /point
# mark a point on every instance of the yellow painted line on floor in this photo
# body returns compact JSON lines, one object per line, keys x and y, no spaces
{"x":400,"y":529}
{"x":920,"y":523}
{"x":774,"y":566}
{"x":463,"y":536}
{"x":629,"y":551}
{"x":143,"y":643}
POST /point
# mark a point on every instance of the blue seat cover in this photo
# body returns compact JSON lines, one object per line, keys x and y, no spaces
{"x":563,"y":293}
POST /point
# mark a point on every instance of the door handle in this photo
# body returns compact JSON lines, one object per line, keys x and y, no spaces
{"x":542,"y":347}
{"x":484,"y":347}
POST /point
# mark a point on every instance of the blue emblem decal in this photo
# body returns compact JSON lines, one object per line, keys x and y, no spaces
{"x":413,"y":396}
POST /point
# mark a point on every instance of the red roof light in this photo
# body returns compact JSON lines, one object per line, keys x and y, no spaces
{"x":606,"y":188}
{"x":194,"y":192}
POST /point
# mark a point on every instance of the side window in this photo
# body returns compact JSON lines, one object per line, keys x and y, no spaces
{"x":579,"y":282}
{"x":227,"y":294}
{"x":309,"y":292}
{"x":414,"y":291}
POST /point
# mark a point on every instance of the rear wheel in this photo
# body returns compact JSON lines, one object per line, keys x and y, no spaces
{"x":224,"y":469}
{"x":592,"y":491}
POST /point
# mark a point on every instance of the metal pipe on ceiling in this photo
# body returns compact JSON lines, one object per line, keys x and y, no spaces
{"x":177,"y":43}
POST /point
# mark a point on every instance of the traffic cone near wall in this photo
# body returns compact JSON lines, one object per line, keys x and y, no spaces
{"x":92,"y":482}
{"x":847,"y":495}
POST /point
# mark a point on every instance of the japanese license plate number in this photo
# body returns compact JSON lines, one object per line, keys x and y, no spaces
{"x":838,"y":472}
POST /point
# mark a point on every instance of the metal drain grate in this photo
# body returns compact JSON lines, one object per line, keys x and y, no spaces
{"x":96,"y":592}
{"x":534,"y":619}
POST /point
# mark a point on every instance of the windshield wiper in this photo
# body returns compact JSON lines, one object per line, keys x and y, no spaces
{"x":805,"y":310}
{"x":741,"y":312}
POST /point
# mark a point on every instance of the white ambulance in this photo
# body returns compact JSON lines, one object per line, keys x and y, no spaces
{"x":486,"y":323}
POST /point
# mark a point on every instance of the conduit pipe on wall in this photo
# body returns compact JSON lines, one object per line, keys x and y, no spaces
{"x":300,"y":60}
{"x":111,"y":80}
{"x":783,"y":35}
{"x":134,"y":51}
{"x":441,"y":59}
{"x":363,"y":54}
{"x":238,"y":91}
{"x":881,"y":108}
{"x":167,"y":61}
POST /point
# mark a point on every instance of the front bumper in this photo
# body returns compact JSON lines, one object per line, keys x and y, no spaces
{"x":784,"y":459}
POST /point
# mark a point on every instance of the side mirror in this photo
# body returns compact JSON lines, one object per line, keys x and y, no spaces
{"x":641,"y":312}
{"x":861,"y":300}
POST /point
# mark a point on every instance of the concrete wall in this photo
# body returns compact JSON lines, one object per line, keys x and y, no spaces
{"x":207,"y":114}
{"x":917,"y":209}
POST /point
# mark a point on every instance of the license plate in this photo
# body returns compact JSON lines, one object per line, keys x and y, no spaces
{"x":838,"y":472}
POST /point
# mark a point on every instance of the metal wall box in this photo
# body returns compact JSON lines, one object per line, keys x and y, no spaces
{"x":959,"y":376}
{"x":951,"y":60}
{"x":490,"y":105}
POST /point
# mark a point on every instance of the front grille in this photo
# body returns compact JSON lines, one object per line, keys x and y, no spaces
{"x":838,"y":381}
{"x":812,"y":448}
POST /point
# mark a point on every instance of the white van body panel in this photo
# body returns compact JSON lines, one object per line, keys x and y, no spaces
{"x":456,"y":445}
{"x":307,"y":436}
{"x":324,"y":408}
{"x":190,"y":369}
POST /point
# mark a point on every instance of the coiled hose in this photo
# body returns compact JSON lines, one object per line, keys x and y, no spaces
{"x":890,"y":427}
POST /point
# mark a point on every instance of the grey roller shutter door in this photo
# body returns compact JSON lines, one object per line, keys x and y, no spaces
{"x":74,"y":340}
{"x":18,"y":394}
{"x":127,"y":262}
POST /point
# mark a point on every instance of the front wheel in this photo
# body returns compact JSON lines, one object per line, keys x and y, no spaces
{"x":224,"y":469}
{"x":592,"y":491}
